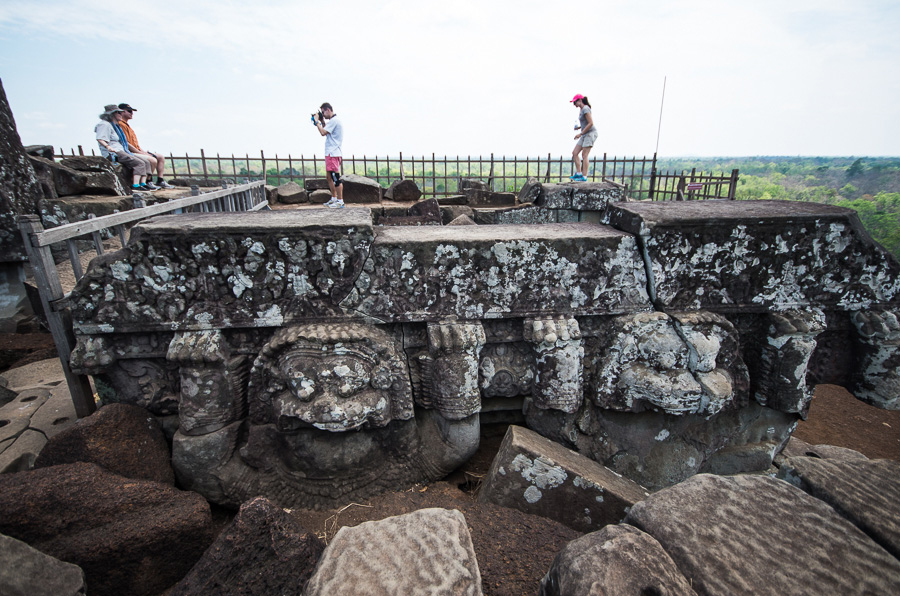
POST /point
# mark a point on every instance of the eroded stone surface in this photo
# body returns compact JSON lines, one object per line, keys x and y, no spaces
{"x":535,"y":475}
{"x":720,"y":532}
{"x":863,"y":491}
{"x":618,"y":560}
{"x":264,"y":551}
{"x":428,"y":551}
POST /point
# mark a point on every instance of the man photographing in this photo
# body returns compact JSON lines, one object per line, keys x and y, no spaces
{"x":334,"y":136}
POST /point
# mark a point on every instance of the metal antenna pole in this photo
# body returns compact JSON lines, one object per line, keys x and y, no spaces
{"x":660,"y":114}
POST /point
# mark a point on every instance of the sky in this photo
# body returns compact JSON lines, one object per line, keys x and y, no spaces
{"x":695,"y":77}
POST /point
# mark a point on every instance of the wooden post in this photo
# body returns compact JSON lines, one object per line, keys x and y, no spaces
{"x":652,"y":180}
{"x":732,"y":185}
{"x":59,"y":319}
{"x":262,"y":156}
{"x":402,"y":175}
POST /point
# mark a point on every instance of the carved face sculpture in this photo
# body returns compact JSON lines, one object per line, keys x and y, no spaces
{"x":330,"y":377}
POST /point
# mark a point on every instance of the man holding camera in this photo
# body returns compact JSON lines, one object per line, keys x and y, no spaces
{"x":334,"y":136}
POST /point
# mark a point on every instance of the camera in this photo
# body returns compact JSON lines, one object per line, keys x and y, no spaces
{"x":321,"y":116}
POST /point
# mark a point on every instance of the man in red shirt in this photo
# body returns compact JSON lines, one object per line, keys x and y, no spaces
{"x":157,"y":161}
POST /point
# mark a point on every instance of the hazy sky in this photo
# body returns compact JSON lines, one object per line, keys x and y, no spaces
{"x":765,"y":77}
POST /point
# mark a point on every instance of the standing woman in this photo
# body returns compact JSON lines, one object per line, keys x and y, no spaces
{"x":585,"y":138}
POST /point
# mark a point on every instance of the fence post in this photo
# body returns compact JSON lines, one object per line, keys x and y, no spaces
{"x":732,"y":184}
{"x":402,"y":175}
{"x":263,"y":157}
{"x":59,"y":319}
{"x":652,"y":178}
{"x":80,"y":150}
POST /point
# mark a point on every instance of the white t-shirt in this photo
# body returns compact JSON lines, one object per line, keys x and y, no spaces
{"x":334,"y":138}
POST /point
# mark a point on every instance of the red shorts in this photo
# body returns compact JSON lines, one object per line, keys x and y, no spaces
{"x":332,"y":164}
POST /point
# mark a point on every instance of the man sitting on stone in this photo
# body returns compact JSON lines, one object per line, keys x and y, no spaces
{"x":157,"y":161}
{"x":112,"y":142}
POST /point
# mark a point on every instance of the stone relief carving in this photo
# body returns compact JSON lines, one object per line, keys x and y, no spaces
{"x":312,"y":359}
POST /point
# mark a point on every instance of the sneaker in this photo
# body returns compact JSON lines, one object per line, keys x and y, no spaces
{"x":338,"y":204}
{"x":331,"y":201}
{"x":580,"y":178}
{"x":574,"y":176}
{"x":163,"y":184}
{"x":150,"y":186}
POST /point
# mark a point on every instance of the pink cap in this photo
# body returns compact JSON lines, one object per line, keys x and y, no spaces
{"x":576,"y":98}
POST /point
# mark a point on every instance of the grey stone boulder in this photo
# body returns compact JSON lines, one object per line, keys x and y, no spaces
{"x":122,"y":438}
{"x":264,"y":551}
{"x":25,"y":571}
{"x":43,"y":169}
{"x":737,"y":535}
{"x":618,"y":560}
{"x":320,"y":196}
{"x":271,"y":194}
{"x":129,"y":536}
{"x":428,"y":551}
{"x":292,"y":193}
{"x":530,"y":191}
{"x":359,"y":189}
{"x":311,"y":184}
{"x":866,"y":492}
{"x":537,"y":476}
{"x":403,"y":191}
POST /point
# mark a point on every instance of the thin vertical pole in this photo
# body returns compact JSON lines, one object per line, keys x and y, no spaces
{"x":659,"y":129}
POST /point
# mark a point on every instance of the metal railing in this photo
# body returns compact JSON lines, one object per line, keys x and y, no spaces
{"x":439,"y":176}
{"x":38,"y":242}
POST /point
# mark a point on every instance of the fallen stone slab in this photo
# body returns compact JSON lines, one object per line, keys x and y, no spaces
{"x":129,"y":536}
{"x":264,"y":551}
{"x":320,"y":196}
{"x":462,"y":220}
{"x":619,"y":560}
{"x":453,"y":200}
{"x":311,"y":184}
{"x":26,"y":571}
{"x":530,"y":191}
{"x":734,"y":534}
{"x":581,"y":196}
{"x":359,"y":189}
{"x":863,"y":491}
{"x":487,"y":198}
{"x":451,"y":212}
{"x":464,"y":184}
{"x":798,"y":448}
{"x":123,"y":438}
{"x":522,"y":214}
{"x":538,"y":476}
{"x":428,"y":551}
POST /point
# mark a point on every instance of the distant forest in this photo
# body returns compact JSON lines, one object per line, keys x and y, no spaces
{"x":869,"y":185}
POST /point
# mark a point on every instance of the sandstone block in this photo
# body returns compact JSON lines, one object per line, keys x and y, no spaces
{"x":487,"y":198}
{"x":122,"y":438}
{"x":863,"y":491}
{"x":320,"y":196}
{"x":453,"y":200}
{"x":555,"y":196}
{"x":292,"y":193}
{"x":428,"y":551}
{"x":311,"y":184}
{"x":359,"y":189}
{"x":129,"y":536}
{"x":618,"y":560}
{"x":264,"y":551}
{"x":535,"y":475}
{"x":451,"y":212}
{"x":25,"y":571}
{"x":464,"y":184}
{"x":734,"y":534}
{"x":403,"y":190}
{"x":530,"y":191}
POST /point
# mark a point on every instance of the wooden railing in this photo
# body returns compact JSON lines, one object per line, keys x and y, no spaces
{"x":439,"y":176}
{"x":247,"y":197}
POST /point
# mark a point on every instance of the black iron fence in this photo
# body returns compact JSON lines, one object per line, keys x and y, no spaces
{"x":439,"y":175}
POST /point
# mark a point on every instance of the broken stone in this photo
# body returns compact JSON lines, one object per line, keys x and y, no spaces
{"x":292,"y":193}
{"x":123,"y":439}
{"x":863,"y":491}
{"x":29,"y":572}
{"x":719,"y":531}
{"x":453,"y":200}
{"x":464,"y":184}
{"x":428,"y":551}
{"x":486,"y":198}
{"x":264,"y":551}
{"x":530,"y":191}
{"x":451,"y":212}
{"x":615,"y":560}
{"x":320,"y":196}
{"x":462,"y":220}
{"x":797,"y":448}
{"x":537,"y":476}
{"x":129,"y":536}
{"x":45,"y":151}
{"x":403,"y":191}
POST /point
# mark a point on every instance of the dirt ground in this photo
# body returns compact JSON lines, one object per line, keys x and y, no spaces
{"x":515,"y":550}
